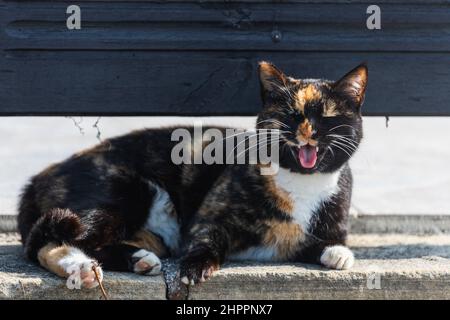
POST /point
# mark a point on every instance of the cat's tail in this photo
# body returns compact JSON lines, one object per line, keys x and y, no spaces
{"x":38,"y":229}
{"x":58,"y":226}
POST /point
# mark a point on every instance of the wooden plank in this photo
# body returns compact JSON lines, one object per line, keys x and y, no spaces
{"x":195,"y":83}
{"x":200,"y":58}
{"x":187,"y":26}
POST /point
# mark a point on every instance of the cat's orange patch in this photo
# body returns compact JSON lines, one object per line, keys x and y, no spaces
{"x":280,"y":197}
{"x":330,"y":109}
{"x":268,"y":73}
{"x":305,"y":95}
{"x":311,"y":93}
{"x":149,"y":241}
{"x":49,"y":256}
{"x":285,"y":236}
{"x":305,"y":129}
{"x":305,"y":132}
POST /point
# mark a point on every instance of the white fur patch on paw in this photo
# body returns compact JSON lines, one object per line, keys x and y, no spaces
{"x":148,"y":263}
{"x":337,"y":257}
{"x":79,"y":267}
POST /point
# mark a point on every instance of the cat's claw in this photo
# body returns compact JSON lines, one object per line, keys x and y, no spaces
{"x":205,"y":274}
{"x":337,"y":257}
{"x":194,"y":270}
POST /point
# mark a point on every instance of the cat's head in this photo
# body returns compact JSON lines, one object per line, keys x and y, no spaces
{"x":319,"y":121}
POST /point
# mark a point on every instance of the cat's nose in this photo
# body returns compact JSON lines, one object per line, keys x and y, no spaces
{"x":306,"y":130}
{"x":306,"y":133}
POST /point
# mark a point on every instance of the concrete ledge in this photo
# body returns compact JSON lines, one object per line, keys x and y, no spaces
{"x":405,"y":224}
{"x":359,"y":223}
{"x":387,"y":267}
{"x":398,"y":279}
{"x":20,"y":279}
{"x":8,"y":223}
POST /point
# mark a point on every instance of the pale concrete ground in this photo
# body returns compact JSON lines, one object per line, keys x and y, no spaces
{"x":403,"y":169}
{"x":387,"y":267}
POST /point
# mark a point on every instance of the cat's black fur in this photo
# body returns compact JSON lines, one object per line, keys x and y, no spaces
{"x":100,"y":198}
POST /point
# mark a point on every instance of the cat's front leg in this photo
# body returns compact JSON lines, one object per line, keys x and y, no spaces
{"x":337,"y":257}
{"x":204,"y":252}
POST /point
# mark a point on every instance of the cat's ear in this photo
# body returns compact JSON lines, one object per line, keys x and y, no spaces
{"x":271,"y":78}
{"x":353,"y":85}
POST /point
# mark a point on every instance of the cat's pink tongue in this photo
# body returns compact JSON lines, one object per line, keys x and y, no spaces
{"x":307,"y":156}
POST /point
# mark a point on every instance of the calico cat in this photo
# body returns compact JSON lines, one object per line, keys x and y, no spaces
{"x":123,"y":204}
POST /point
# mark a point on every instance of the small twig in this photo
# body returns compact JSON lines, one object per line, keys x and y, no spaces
{"x":77,"y":124}
{"x":96,"y":127}
{"x":94,"y":268}
{"x":23,"y":288}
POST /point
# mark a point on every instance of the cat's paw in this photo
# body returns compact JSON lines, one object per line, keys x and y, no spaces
{"x":146,"y":263}
{"x":196,"y":269}
{"x":337,"y":257}
{"x":80,"y":271}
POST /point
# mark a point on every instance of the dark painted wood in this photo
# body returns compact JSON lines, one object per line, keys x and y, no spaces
{"x":200,"y":58}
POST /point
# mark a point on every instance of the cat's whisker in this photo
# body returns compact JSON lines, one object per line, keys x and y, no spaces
{"x":350,"y":151}
{"x":348,"y":144}
{"x":259,"y":144}
{"x":331,"y":150}
{"x":290,"y":149}
{"x":340,"y":126}
{"x":341,"y":135}
{"x":243,"y":141}
{"x":342,"y":138}
{"x":248,"y":139}
{"x":253,"y":132}
{"x":285,"y":90}
{"x":251,"y":147}
{"x":345,"y":140}
{"x":293,"y":155}
{"x":341,"y":148}
{"x":235,"y":135}
{"x":274,"y":121}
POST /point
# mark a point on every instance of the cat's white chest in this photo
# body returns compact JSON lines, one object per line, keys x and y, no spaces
{"x":161,"y":221}
{"x":308,"y":192}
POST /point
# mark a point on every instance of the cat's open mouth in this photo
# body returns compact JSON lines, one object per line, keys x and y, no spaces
{"x":307,"y":155}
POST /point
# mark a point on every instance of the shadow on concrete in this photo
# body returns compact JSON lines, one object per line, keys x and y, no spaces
{"x":402,"y":251}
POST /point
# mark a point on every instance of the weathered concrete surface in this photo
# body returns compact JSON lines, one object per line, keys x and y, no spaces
{"x":8,"y":223}
{"x":407,"y":266}
{"x":359,"y":224}
{"x":400,"y":224}
{"x":399,"y":279}
{"x":20,"y":279}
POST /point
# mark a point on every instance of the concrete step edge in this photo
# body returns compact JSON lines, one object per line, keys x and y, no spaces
{"x":367,"y":281}
{"x":387,"y":267}
{"x":360,"y":224}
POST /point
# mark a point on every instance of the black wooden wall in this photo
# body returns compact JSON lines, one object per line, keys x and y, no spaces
{"x":200,"y":57}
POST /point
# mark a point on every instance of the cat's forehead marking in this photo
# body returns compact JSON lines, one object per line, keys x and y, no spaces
{"x":330,"y":109}
{"x":307,"y":94}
